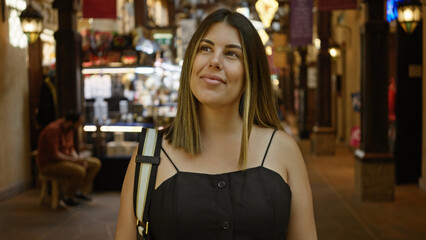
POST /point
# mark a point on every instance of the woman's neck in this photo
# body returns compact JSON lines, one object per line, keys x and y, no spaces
{"x":220,"y":122}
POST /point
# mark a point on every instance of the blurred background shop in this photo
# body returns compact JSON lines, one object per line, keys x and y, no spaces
{"x":346,"y":73}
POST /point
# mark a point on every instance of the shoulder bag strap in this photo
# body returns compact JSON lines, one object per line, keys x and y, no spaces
{"x":147,"y":160}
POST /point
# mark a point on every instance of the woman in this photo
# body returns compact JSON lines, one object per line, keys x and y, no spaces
{"x":226,"y":172}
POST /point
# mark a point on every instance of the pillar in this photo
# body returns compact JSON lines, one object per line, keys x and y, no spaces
{"x":68,"y":58}
{"x":303,"y":94}
{"x":408,"y":105}
{"x":323,"y":136}
{"x":171,"y":10}
{"x":35,"y":82}
{"x":374,"y":166}
{"x":422,"y":180}
{"x":288,"y":87}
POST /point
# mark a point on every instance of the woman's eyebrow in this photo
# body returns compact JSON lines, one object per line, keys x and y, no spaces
{"x":228,"y":45}
{"x":207,"y":41}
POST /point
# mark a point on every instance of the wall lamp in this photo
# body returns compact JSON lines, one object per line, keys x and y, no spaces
{"x":334,"y":49}
{"x":32,"y":23}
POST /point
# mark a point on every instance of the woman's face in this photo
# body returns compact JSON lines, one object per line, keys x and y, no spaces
{"x":217,"y":76}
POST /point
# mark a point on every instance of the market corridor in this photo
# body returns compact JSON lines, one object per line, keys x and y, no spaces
{"x":338,"y":212}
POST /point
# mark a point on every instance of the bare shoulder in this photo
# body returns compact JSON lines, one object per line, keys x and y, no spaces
{"x":284,"y":155}
{"x":285,"y":145}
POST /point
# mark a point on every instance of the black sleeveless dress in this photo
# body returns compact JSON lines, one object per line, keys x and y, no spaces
{"x":251,"y":204}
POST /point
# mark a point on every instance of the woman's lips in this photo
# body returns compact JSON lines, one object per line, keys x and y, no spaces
{"x":212,"y":79}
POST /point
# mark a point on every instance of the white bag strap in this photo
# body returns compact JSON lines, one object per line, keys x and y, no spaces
{"x":147,"y":160}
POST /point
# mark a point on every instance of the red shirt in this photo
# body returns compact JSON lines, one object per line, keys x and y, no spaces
{"x":54,"y":138}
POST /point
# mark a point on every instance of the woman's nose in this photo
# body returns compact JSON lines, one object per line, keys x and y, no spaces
{"x":215,"y":62}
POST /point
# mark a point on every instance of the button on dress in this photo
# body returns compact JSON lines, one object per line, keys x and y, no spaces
{"x":247,"y":204}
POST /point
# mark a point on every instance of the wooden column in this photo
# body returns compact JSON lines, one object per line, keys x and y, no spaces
{"x":303,"y":94}
{"x":141,"y":12}
{"x":289,"y":86}
{"x":422,"y":180}
{"x":68,"y":58}
{"x":323,"y":136}
{"x":374,"y":168}
{"x":171,"y":12}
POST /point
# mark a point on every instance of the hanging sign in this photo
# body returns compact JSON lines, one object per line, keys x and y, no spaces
{"x":356,"y":101}
{"x":391,"y":9}
{"x":328,"y":5}
{"x":100,"y":8}
{"x":301,"y":22}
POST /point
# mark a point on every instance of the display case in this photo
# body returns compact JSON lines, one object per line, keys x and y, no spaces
{"x":130,"y":82}
{"x":119,"y":101}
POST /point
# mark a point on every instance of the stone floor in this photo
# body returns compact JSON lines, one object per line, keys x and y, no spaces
{"x":339,"y":213}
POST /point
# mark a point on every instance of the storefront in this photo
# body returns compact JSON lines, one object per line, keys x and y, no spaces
{"x":130,"y":76}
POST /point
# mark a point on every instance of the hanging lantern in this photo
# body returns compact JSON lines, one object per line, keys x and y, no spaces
{"x":32,"y":23}
{"x":409,"y":14}
{"x":266,"y":10}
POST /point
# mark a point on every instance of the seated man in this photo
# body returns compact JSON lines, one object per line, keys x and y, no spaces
{"x":58,"y":157}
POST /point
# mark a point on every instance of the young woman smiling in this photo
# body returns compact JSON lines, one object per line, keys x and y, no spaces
{"x":227,"y":169}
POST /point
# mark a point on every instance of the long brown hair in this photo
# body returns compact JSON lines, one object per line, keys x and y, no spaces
{"x":257,"y":105}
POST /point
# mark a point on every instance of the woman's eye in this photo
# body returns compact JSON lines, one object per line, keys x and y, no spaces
{"x":205,"y":49}
{"x":231,"y":54}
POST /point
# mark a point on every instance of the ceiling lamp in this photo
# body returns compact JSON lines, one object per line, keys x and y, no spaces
{"x":244,"y":9}
{"x":266,"y":10}
{"x":409,"y":14}
{"x":261,"y":31}
{"x":32,"y":23}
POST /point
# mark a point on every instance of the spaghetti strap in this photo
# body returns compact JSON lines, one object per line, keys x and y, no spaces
{"x":170,"y":159}
{"x":267,"y":149}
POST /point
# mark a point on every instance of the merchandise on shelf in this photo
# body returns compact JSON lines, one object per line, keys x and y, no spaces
{"x":131,"y":94}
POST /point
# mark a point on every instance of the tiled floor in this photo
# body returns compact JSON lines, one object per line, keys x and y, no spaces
{"x":338,"y":212}
{"x":341,"y":215}
{"x":22,"y":218}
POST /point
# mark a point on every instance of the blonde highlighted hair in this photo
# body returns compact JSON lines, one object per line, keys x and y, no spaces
{"x":257,"y":105}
